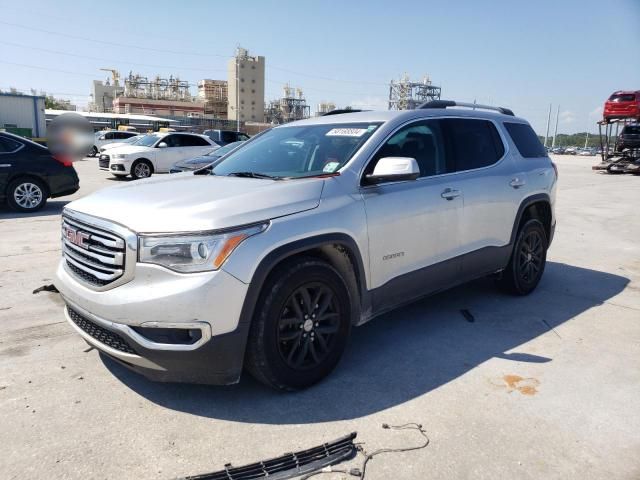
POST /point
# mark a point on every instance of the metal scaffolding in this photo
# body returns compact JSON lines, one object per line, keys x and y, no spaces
{"x":292,"y":106}
{"x":407,"y":95}
{"x":138,"y":86}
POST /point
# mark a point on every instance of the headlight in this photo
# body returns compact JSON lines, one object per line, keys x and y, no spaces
{"x":194,"y":253}
{"x":119,"y":155}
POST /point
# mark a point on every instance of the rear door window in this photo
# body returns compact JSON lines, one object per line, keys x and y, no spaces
{"x":474,"y":143}
{"x":526,"y":140}
{"x":193,"y":141}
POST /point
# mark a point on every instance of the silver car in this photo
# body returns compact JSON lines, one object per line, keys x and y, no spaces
{"x":305,"y":231}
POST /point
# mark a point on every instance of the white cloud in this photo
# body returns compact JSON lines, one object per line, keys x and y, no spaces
{"x":567,"y":117}
{"x":596,"y":112}
{"x":370,"y":103}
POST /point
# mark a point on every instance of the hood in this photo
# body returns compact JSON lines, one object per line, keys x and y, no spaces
{"x":185,"y":202}
{"x":128,"y":149}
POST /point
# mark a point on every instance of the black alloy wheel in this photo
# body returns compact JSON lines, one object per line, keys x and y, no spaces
{"x":528,"y":259}
{"x":308,"y":325}
{"x":301,"y":324}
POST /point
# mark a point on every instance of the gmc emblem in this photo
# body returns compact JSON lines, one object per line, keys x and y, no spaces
{"x":76,"y":237}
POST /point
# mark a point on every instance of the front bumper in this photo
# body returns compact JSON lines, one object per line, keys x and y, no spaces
{"x":210,"y":303}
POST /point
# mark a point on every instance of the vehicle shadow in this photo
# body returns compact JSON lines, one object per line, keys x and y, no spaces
{"x":53,"y":207}
{"x":404,"y":354}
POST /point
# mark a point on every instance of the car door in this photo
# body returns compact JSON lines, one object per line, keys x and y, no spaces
{"x":413,"y":226}
{"x":8,"y":160}
{"x":165,"y":157}
{"x":492,"y":186}
{"x":195,"y":146}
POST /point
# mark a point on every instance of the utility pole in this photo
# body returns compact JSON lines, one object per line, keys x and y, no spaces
{"x":553,"y":144}
{"x":546,"y":137}
{"x":586,"y":140}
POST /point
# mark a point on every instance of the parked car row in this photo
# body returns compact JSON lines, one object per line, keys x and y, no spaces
{"x":154,"y":153}
{"x":583,"y":152}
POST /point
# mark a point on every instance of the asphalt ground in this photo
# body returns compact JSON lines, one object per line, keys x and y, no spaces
{"x":544,"y":386}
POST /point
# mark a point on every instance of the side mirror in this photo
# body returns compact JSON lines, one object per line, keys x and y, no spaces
{"x":394,"y":169}
{"x":162,"y":145}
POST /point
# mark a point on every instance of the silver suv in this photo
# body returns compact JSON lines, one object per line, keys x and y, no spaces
{"x":269,"y":257}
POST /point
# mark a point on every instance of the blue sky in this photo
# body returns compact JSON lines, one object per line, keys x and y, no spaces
{"x":520,"y":54}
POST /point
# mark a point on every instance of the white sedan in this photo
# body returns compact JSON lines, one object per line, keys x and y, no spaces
{"x":154,"y":153}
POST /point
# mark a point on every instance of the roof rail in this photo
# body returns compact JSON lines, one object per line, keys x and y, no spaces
{"x":338,"y":111}
{"x":451,"y":103}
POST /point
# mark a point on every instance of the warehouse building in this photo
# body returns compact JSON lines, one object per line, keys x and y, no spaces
{"x":22,"y":114}
{"x":246,"y":87}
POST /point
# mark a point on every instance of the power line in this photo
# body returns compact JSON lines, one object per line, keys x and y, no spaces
{"x":37,"y":67}
{"x":114,"y":44}
{"x":111,"y":60}
{"x":196,"y":54}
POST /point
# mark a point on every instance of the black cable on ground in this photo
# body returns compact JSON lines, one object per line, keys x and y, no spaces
{"x":361,"y":472}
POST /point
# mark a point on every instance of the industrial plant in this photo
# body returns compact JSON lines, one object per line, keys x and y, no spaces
{"x":234,"y":103}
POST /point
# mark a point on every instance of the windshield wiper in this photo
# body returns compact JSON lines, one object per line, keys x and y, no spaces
{"x":253,"y":175}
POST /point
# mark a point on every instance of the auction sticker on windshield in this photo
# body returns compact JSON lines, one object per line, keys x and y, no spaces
{"x":346,"y":132}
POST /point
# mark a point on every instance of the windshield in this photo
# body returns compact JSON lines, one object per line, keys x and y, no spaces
{"x":147,"y":140}
{"x":132,"y":140}
{"x":218,"y":152}
{"x":298,"y":151}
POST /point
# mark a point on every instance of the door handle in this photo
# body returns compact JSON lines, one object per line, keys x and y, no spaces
{"x":517,"y":182}
{"x":450,"y":193}
{"x":5,"y":165}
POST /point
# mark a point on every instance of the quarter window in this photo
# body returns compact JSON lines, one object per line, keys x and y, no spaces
{"x":8,"y":145}
{"x":526,"y":140}
{"x":474,"y":143}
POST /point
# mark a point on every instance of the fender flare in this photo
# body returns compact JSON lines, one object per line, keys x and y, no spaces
{"x":273,"y":258}
{"x":526,"y":203}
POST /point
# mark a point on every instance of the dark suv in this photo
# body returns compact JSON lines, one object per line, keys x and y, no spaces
{"x":629,"y":138}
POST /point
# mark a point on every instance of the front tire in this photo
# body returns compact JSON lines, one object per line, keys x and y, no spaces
{"x":141,"y":169}
{"x":301,"y":325}
{"x":528,"y":259}
{"x":26,"y":195}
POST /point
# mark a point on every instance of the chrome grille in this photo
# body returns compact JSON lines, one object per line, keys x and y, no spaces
{"x":94,"y":255}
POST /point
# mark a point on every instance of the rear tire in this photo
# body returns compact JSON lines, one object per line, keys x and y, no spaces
{"x":27,"y":195}
{"x":141,"y":169}
{"x":301,"y":325}
{"x":528,"y":259}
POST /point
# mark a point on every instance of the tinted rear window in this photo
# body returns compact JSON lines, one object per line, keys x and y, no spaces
{"x":8,"y":145}
{"x":526,"y":140}
{"x":475,"y":143}
{"x":623,"y":97}
{"x":631,"y":129}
